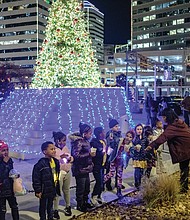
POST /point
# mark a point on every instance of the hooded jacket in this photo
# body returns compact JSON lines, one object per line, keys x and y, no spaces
{"x":80,"y":150}
{"x":178,"y":137}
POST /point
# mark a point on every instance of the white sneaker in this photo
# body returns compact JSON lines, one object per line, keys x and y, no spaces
{"x":94,"y":201}
{"x":100,"y":200}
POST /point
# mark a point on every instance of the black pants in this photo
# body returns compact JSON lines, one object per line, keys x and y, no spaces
{"x":82,"y":189}
{"x":99,"y":178}
{"x":184,"y":173}
{"x":46,"y":204}
{"x":186,"y":116}
{"x":13,"y":205}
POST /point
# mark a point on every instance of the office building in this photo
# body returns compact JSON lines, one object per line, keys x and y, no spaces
{"x":161,"y":29}
{"x":95,"y":25}
{"x":22,"y":27}
{"x":22,"y":32}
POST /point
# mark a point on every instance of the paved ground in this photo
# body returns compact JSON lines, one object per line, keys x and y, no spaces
{"x":28,"y":204}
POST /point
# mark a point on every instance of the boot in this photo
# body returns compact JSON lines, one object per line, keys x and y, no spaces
{"x":15,"y":214}
{"x":119,"y":194}
{"x":56,"y":214}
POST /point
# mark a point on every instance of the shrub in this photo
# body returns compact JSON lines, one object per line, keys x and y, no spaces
{"x":159,"y":190}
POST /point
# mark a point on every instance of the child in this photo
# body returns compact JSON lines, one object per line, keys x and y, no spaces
{"x":151,"y":154}
{"x":45,"y":178}
{"x":82,"y":164}
{"x":6,"y":184}
{"x":139,"y":159}
{"x":114,"y":141}
{"x":128,"y":147}
{"x":65,"y":160}
{"x":99,"y":161}
{"x":158,"y":130}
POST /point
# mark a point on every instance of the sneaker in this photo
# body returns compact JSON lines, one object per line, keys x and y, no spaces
{"x":109,"y":188}
{"x":100,"y":200}
{"x":93,"y":200}
{"x":67,"y":211}
{"x":82,"y":208}
{"x":56,"y":214}
{"x":89,"y":205}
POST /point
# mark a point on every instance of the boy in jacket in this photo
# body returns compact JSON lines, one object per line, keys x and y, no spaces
{"x":6,"y":184}
{"x":45,"y":179}
{"x":99,"y":161}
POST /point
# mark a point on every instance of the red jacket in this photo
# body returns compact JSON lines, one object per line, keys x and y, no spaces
{"x":178,"y":137}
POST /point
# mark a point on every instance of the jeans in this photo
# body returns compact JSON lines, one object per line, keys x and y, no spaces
{"x":138,"y":176}
{"x":184,"y":173}
{"x":46,"y":204}
{"x":13,"y":205}
{"x":99,"y":178}
{"x":82,"y":189}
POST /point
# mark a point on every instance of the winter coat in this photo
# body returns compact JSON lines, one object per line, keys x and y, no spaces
{"x":6,"y":183}
{"x":114,"y":143}
{"x":80,"y":150}
{"x":98,"y":159}
{"x":140,"y":155}
{"x":178,"y":137}
{"x":42,"y":178}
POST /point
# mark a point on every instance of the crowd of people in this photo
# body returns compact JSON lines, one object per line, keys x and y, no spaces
{"x":106,"y":155}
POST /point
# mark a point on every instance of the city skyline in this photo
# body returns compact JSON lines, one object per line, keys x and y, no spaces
{"x":117,"y":20}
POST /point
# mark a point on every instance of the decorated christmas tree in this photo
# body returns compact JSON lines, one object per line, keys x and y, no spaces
{"x":66,"y":57}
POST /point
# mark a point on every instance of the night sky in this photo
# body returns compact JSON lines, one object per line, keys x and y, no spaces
{"x":116,"y":20}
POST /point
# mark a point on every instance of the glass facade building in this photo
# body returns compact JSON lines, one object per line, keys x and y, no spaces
{"x":95,"y":25}
{"x":22,"y":28}
{"x":22,"y":25}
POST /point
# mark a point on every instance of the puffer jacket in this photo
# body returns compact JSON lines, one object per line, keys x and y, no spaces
{"x":80,"y":150}
{"x":6,"y":183}
{"x":42,"y":178}
{"x":177,"y":136}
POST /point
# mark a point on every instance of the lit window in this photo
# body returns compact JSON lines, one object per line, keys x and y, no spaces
{"x":146,"y":18}
{"x":145,"y":36}
{"x":172,"y":32}
{"x":180,"y":30}
{"x":174,"y":22}
{"x":152,"y":17}
{"x":180,"y":21}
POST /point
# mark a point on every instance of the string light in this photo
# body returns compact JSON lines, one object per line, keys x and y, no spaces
{"x":28,"y":117}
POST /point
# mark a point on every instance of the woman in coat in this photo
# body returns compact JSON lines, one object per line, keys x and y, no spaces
{"x":177,"y":134}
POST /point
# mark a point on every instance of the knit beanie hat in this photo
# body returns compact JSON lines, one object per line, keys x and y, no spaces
{"x":3,"y":145}
{"x":83,"y":128}
{"x":98,"y":131}
{"x":113,"y":123}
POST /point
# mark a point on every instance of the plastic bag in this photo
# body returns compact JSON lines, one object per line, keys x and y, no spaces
{"x":18,"y":186}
